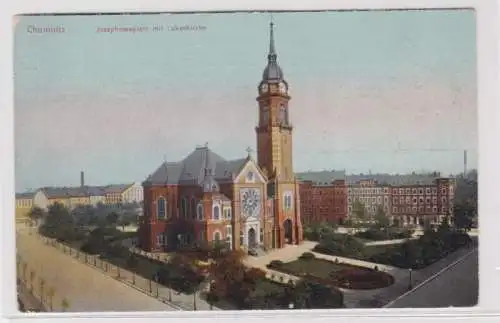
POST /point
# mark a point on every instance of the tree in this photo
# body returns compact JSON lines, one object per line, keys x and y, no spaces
{"x":50,"y":296}
{"x":32,"y":278}
{"x":64,"y":304}
{"x":36,"y":214}
{"x":112,"y":219}
{"x":25,"y":270}
{"x":59,"y":223}
{"x":42,"y":288}
{"x":358,"y":212}
{"x":463,"y":216}
{"x":381,"y":219}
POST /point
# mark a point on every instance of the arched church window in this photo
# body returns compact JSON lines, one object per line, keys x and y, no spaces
{"x":200,"y":212}
{"x":216,"y":213}
{"x":184,"y":207}
{"x":161,"y":205}
{"x":193,"y":208}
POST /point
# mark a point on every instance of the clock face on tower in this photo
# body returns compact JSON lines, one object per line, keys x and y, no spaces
{"x":264,"y":87}
{"x":250,"y":203}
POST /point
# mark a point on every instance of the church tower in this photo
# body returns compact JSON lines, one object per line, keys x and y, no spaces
{"x":274,"y":131}
{"x":274,"y":150}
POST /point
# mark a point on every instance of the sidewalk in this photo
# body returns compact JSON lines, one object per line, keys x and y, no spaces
{"x":164,"y":294}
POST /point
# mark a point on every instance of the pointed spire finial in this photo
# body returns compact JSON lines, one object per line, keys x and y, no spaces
{"x":208,"y":171}
{"x":272,"y":51}
{"x":249,"y":151}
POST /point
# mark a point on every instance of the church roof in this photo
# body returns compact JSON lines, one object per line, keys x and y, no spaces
{"x":192,"y":169}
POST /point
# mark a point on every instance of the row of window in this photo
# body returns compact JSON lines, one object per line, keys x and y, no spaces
{"x":24,"y":203}
{"x":162,"y":210}
{"x":414,"y":209}
{"x":399,"y":190}
{"x":419,"y":200}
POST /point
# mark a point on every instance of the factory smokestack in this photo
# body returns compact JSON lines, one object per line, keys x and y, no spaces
{"x":465,"y":163}
{"x":82,"y":179}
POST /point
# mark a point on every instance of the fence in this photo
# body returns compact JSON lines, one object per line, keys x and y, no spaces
{"x":164,"y":294}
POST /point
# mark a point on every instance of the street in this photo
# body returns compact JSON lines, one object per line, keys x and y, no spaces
{"x":86,"y":289}
{"x":457,"y":286}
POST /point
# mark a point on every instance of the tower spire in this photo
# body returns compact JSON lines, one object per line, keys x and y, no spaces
{"x":272,"y":51}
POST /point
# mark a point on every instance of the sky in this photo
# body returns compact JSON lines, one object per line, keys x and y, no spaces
{"x":380,"y":91}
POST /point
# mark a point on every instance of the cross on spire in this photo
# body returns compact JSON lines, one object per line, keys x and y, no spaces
{"x":249,"y":151}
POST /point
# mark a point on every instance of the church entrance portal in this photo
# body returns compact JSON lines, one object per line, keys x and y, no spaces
{"x":288,"y":231}
{"x":252,"y":238}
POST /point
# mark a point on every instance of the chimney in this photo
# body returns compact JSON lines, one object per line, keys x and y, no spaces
{"x":82,"y":179}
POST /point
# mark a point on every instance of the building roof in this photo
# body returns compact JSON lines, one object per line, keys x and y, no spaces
{"x":25,"y":195}
{"x":193,"y":169}
{"x":85,"y":191}
{"x":115,"y":188}
{"x":321,"y":177}
{"x":395,"y":179}
{"x":324,"y":178}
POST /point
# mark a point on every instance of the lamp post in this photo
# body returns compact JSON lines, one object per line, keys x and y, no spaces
{"x":194,"y":300}
{"x":410,"y":281}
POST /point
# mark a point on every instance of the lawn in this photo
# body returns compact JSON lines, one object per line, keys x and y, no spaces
{"x":336,"y":274}
{"x":316,"y":267}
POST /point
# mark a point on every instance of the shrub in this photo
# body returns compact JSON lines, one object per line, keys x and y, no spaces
{"x":307,"y":255}
{"x":275,"y":264}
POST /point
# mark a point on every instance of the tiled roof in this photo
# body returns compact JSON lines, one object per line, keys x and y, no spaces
{"x":321,"y":177}
{"x":85,"y":191}
{"x":25,"y":195}
{"x":191,"y":170}
{"x":326,"y":177}
{"x":395,"y":180}
{"x":118,"y":188}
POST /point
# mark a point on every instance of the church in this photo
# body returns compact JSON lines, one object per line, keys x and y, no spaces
{"x":247,"y":204}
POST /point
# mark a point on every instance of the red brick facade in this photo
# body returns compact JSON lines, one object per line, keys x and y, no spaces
{"x":323,"y":203}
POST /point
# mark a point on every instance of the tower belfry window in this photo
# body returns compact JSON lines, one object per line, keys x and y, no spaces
{"x":282,"y":114}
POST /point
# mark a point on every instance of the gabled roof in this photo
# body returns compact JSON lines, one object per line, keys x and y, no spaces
{"x":25,"y":195}
{"x":191,"y":170}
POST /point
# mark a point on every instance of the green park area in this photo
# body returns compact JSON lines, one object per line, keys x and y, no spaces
{"x":334,"y":273}
{"x":231,"y":284}
{"x":434,"y":244}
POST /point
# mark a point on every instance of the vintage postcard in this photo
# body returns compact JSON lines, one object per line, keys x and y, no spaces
{"x":245,"y":161}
